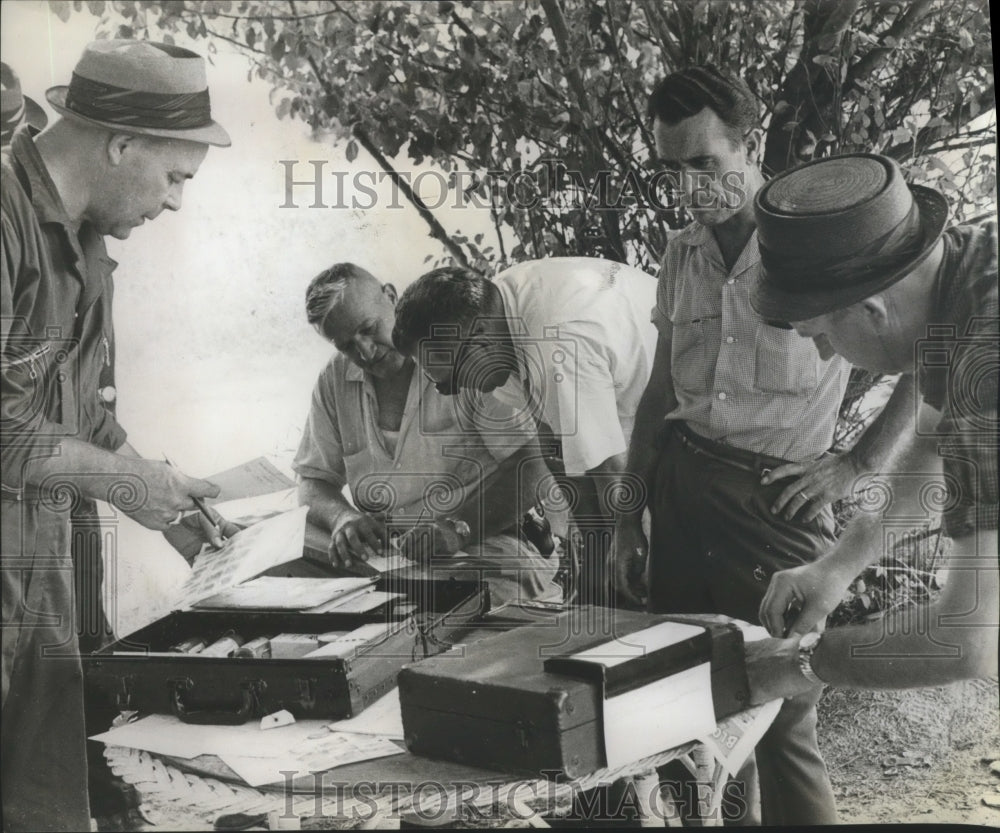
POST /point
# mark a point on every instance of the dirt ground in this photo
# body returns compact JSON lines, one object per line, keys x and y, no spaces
{"x":913,"y":756}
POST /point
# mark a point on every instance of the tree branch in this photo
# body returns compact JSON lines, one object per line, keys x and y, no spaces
{"x":437,"y":230}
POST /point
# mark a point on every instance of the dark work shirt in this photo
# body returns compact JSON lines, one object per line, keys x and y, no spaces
{"x":958,"y":364}
{"x":57,"y":339}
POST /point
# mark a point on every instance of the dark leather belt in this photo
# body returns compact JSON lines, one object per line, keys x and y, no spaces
{"x":739,"y":458}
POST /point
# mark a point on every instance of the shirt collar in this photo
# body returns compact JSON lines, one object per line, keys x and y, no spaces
{"x":353,"y":373}
{"x":697,"y":235}
{"x":44,"y":196}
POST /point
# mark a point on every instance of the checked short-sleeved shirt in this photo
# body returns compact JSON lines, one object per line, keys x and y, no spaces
{"x":737,"y":379}
{"x":958,"y":363}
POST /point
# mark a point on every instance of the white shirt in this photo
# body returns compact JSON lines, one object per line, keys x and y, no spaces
{"x":585,"y":344}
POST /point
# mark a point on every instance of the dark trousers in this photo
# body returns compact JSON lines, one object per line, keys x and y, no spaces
{"x":42,"y":757}
{"x":713,"y":548}
{"x":108,"y":794}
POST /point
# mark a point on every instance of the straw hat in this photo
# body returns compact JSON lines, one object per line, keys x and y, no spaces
{"x":838,"y":230}
{"x":142,"y":87}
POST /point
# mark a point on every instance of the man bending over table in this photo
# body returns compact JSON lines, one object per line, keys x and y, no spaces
{"x":462,"y":477}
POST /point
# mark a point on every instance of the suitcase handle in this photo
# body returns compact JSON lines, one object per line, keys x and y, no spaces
{"x":226,"y":717}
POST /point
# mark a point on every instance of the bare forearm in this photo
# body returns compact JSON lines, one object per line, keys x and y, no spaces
{"x":953,"y":638}
{"x":95,"y":472}
{"x":875,"y":445}
{"x":327,"y":504}
{"x":658,"y":400}
{"x":888,"y":497}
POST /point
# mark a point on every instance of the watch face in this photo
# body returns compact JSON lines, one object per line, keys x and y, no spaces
{"x":809,"y":641}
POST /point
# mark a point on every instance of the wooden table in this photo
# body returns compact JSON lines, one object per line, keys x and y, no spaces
{"x":191,"y":794}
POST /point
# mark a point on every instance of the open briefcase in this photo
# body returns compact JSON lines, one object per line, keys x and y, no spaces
{"x":140,"y":672}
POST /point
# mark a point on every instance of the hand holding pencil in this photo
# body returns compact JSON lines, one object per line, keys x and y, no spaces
{"x":213,"y":527}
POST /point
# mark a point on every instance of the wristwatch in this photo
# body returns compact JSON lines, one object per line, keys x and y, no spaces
{"x":807,"y":646}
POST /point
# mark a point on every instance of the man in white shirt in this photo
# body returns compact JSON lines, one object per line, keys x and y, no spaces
{"x":570,"y":335}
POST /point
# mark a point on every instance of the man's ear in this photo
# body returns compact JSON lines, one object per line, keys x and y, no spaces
{"x":876,"y":309}
{"x":754,"y":142}
{"x":390,"y":292}
{"x":117,"y":145}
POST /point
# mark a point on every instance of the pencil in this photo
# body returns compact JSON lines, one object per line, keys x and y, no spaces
{"x":200,"y":505}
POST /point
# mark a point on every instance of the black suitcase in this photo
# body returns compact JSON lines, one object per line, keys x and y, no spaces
{"x":138,"y":672}
{"x":496,"y":706}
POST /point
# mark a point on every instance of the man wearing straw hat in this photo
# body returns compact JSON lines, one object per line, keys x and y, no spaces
{"x":136,"y":125}
{"x":16,"y":107}
{"x":862,"y":263}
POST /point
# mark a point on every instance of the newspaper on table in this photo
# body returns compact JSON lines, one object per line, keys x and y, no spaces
{"x":734,"y":739}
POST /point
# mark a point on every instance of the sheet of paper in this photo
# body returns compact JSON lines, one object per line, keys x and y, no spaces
{"x":359,"y":602}
{"x":732,"y":741}
{"x":318,"y":541}
{"x":315,"y":755}
{"x":251,"y":510}
{"x":350,"y":643}
{"x":384,"y":717}
{"x":664,"y":714}
{"x":245,"y":555}
{"x":638,"y":644}
{"x":167,"y":735}
{"x":256,"y":477}
{"x":380,"y":564}
{"x":275,"y":593}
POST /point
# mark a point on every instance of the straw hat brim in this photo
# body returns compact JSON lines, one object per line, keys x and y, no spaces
{"x":211,"y":134}
{"x":774,"y":303}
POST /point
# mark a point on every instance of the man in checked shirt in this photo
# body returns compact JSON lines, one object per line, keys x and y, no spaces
{"x":733,"y":406}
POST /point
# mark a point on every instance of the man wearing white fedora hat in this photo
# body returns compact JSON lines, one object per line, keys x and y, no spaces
{"x":136,"y":125}
{"x":862,"y":263}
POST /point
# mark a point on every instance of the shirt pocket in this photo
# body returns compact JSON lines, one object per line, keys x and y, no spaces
{"x":688,"y":361}
{"x":785,"y":362}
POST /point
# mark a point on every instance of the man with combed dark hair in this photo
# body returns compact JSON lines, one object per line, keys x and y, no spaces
{"x":732,"y":406}
{"x":870,"y":272}
{"x":136,"y":127}
{"x":572,"y":336}
{"x":463,"y":477}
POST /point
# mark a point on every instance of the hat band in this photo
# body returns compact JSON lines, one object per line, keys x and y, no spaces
{"x":131,"y":108}
{"x":884,"y":254}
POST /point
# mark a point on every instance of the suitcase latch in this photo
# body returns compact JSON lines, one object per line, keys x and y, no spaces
{"x":307,"y":694}
{"x":123,"y":698}
{"x":522,"y":734}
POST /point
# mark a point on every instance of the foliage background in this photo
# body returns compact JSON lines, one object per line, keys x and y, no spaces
{"x":495,"y":89}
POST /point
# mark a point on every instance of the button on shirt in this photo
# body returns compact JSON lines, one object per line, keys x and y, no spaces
{"x":57,"y":335}
{"x":443,"y":449}
{"x":738,"y":380}
{"x":585,"y":348}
